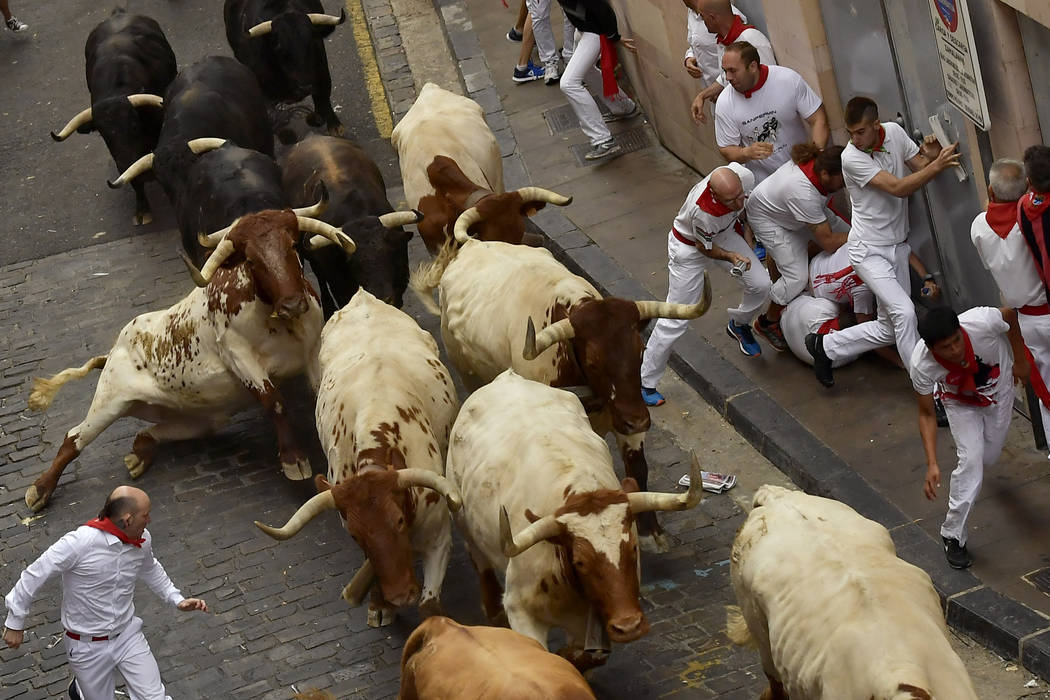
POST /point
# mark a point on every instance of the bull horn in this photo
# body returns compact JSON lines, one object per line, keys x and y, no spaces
{"x":217,"y":258}
{"x":663,"y":309}
{"x":431,"y":480}
{"x":327,"y":20}
{"x":198,"y":279}
{"x":75,"y":123}
{"x":541,"y":195}
{"x":316,"y":209}
{"x":400,"y":218}
{"x":466,"y":220}
{"x":644,"y":501}
{"x":261,"y":29}
{"x":134,"y":170}
{"x":542,"y":529}
{"x":204,"y":145}
{"x":210,"y":240}
{"x":307,"y":512}
{"x":554,"y":333}
{"x":145,"y":99}
{"x":308,"y":225}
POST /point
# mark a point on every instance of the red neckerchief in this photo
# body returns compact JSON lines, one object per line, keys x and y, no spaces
{"x":963,"y":375}
{"x":1002,"y":217}
{"x":763,"y":73}
{"x":107,"y":525}
{"x":608,"y":60}
{"x":734,"y":31}
{"x":1031,"y":213}
{"x":832,"y":324}
{"x":809,"y":168}
{"x":710,"y":205}
{"x":877,"y":148}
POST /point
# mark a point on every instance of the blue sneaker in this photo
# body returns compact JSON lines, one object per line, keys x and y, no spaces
{"x":527,"y":74}
{"x":652,"y":397}
{"x":743,"y":336}
{"x":760,"y":251}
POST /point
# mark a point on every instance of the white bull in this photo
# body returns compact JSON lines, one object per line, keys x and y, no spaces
{"x":525,"y":461}
{"x":833,"y":611}
{"x":385,"y":405}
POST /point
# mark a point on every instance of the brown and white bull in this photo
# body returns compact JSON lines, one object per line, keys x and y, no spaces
{"x":443,"y":659}
{"x":492,"y":294}
{"x":542,"y":507}
{"x":385,"y":405}
{"x":450,"y":162}
{"x":254,"y":322}
{"x":833,"y":611}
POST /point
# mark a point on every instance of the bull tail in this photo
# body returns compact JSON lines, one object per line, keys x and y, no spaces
{"x":736,"y":627}
{"x":426,"y":278}
{"x":44,"y":390}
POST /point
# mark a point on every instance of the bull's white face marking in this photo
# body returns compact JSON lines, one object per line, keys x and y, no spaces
{"x":632,"y":442}
{"x":603,"y":530}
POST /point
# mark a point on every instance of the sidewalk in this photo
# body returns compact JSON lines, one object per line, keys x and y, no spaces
{"x":857,"y":442}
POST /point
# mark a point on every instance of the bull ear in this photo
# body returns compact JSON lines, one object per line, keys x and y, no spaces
{"x":530,"y":516}
{"x":629,"y":485}
{"x":530,"y":207}
{"x":321,"y":483}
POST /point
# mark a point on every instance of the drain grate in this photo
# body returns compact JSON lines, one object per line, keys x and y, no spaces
{"x":1040,"y":579}
{"x":562,"y":119}
{"x":631,"y":140}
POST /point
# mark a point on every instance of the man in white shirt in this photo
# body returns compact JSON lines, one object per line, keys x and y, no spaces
{"x":704,"y":235}
{"x":100,"y":562}
{"x":728,"y":28}
{"x":969,"y":361}
{"x":769,"y":110}
{"x":703,"y":57}
{"x":1001,"y":246}
{"x":875,"y":167}
{"x":786,"y":211}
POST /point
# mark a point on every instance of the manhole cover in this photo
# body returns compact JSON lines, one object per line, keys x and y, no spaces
{"x":1040,"y":579}
{"x":562,"y":119}
{"x":631,"y":140}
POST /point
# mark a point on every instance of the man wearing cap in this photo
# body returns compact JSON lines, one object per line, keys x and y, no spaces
{"x":99,"y":563}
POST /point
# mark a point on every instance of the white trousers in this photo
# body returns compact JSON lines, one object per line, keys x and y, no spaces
{"x":588,"y":46}
{"x":1036,"y":333}
{"x":885,"y":270}
{"x":540,"y":10}
{"x":979,"y":434}
{"x":686,"y":267}
{"x":95,"y":665}
{"x":790,"y":250}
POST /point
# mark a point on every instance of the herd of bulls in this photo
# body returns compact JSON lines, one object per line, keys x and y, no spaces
{"x":520,"y":467}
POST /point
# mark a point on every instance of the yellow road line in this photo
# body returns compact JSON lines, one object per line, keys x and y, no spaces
{"x":373,"y":82}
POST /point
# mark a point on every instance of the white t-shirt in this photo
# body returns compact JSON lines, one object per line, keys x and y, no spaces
{"x":831,"y":277}
{"x":786,"y":199}
{"x":879,"y":218}
{"x":805,"y":315}
{"x":697,"y":223}
{"x":775,"y":113}
{"x":756,"y":39}
{"x":1010,"y":262}
{"x":704,"y":46}
{"x":991,"y":349}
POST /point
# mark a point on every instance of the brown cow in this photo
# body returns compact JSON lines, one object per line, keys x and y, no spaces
{"x":443,"y":659}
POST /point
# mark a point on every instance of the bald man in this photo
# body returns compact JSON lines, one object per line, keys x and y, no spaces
{"x":706,"y":233}
{"x":100,"y":562}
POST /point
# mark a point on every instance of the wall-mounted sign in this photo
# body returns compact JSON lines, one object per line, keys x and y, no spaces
{"x":959,"y":65}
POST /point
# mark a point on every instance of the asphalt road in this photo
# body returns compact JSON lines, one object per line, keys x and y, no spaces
{"x":55,"y":195}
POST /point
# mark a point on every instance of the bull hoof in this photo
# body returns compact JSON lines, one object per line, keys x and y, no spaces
{"x":655,"y":543}
{"x":297,"y":470}
{"x":583,"y":660}
{"x":136,"y":465}
{"x":336,"y":130}
{"x":36,"y":499}
{"x":431,"y":607}
{"x":381,"y":617}
{"x":142,"y":218}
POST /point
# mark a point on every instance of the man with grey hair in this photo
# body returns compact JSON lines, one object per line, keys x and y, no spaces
{"x":1002,"y":247}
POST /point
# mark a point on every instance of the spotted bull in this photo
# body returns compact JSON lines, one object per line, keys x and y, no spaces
{"x":450,"y":162}
{"x":129,"y":65}
{"x":542,"y":508}
{"x":443,"y":659}
{"x":359,"y":206}
{"x":282,"y":41}
{"x":385,"y":405}
{"x":493,"y":294}
{"x":254,"y":322}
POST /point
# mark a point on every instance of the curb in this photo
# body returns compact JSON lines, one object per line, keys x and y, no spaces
{"x":1003,"y":625}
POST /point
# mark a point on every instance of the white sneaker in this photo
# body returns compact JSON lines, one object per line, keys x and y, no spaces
{"x":603,"y":150}
{"x":550,"y":72}
{"x":713,"y":482}
{"x":16,"y":25}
